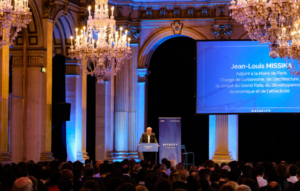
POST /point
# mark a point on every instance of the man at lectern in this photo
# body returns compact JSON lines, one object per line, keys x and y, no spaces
{"x":148,"y":137}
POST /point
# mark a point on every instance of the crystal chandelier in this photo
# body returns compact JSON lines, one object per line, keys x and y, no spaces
{"x":275,"y":22}
{"x":103,"y":48}
{"x":16,"y":15}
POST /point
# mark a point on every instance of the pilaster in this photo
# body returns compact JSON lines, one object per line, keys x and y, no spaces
{"x":74,"y":97}
{"x":80,"y":135}
{"x":17,"y":110}
{"x":104,"y":138}
{"x":5,"y":156}
{"x":34,"y":109}
{"x":142,"y":79}
{"x":46,"y":117}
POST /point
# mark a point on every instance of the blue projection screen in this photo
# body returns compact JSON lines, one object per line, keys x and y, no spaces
{"x":240,"y":77}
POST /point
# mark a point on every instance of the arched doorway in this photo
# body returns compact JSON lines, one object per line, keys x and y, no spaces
{"x":172,"y":89}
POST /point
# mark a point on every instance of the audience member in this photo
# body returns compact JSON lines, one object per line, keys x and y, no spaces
{"x":163,"y":185}
{"x":163,"y":169}
{"x":126,"y":176}
{"x":22,"y":184}
{"x":243,"y":188}
{"x":151,"y":181}
{"x":141,"y":188}
{"x":214,"y":180}
{"x":293,"y":170}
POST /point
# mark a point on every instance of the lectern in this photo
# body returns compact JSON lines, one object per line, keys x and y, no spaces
{"x":149,"y":147}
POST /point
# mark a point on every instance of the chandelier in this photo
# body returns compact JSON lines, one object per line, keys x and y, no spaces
{"x":103,"y":48}
{"x":16,"y":15}
{"x":275,"y":22}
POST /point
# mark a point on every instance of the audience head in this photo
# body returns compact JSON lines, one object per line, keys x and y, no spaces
{"x":126,"y":187}
{"x":193,"y":171}
{"x":22,"y":184}
{"x":163,"y":185}
{"x":210,"y":164}
{"x":293,"y":170}
{"x":233,"y":175}
{"x":193,"y":184}
{"x":66,"y":174}
{"x":98,"y":163}
{"x":243,"y":188}
{"x":226,"y":167}
{"x":204,"y":174}
{"x":224,"y":174}
{"x":113,"y":183}
{"x":180,"y":166}
{"x":233,"y":184}
{"x":226,"y":188}
{"x":273,"y":186}
{"x":174,"y":176}
{"x":173,"y":164}
{"x":214,"y":177}
{"x":93,"y":185}
{"x":103,"y":169}
{"x":125,"y":169}
{"x":168,"y":163}
{"x":184,"y":174}
{"x":34,"y":182}
{"x":163,"y":167}
{"x":141,"y":188}
{"x":151,"y":181}
{"x":259,"y":171}
{"x":64,"y":184}
{"x":281,"y":170}
{"x":136,"y":168}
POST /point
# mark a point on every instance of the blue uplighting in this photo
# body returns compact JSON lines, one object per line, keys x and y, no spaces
{"x":212,"y":136}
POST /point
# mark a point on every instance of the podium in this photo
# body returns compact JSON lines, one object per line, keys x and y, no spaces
{"x":149,"y":147}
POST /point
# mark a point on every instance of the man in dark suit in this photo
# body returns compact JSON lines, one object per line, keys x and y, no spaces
{"x":148,"y":137}
{"x":126,"y":176}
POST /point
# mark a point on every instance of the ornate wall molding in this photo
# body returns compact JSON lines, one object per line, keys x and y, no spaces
{"x":190,"y":12}
{"x":244,"y":36}
{"x":72,"y":69}
{"x":49,"y":8}
{"x":134,"y":33}
{"x":221,"y":31}
{"x":177,"y":27}
{"x":142,"y":74}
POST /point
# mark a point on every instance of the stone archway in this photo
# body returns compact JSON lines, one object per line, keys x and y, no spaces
{"x":159,"y":37}
{"x":63,"y":29}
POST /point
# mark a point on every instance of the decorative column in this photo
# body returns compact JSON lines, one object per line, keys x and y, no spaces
{"x":46,"y":128}
{"x":34,"y":131}
{"x":104,"y":137}
{"x":132,"y":112}
{"x":121,"y":112}
{"x":76,"y":128}
{"x":80,"y":134}
{"x":223,"y":138}
{"x":4,"y":93}
{"x":17,"y":110}
{"x":141,"y":103}
{"x":126,"y":109}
